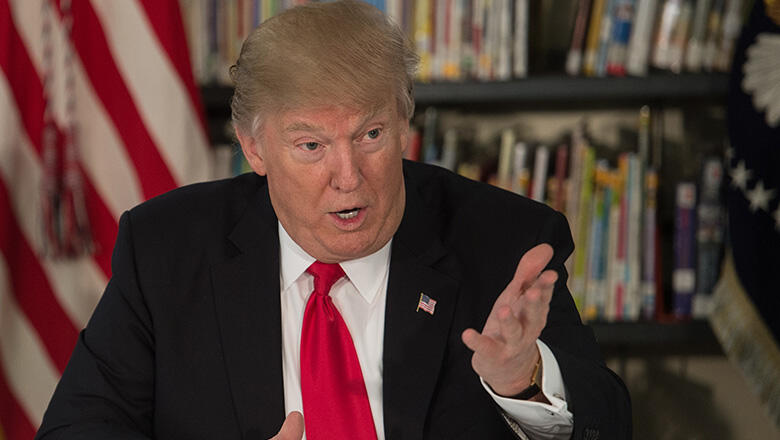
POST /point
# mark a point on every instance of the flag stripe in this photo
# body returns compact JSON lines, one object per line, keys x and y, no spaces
{"x":166,"y":19}
{"x":160,"y":96}
{"x":99,"y":65}
{"x":28,"y":373}
{"x":19,"y":70}
{"x":14,"y":423}
{"x":32,"y":290}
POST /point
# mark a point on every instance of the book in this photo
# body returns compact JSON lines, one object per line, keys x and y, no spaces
{"x":605,"y":36}
{"x":504,"y":178}
{"x":521,"y":176}
{"x":505,"y":45}
{"x":430,"y":151}
{"x":595,"y":288}
{"x":520,"y":49}
{"x":614,"y":270}
{"x":423,"y":38}
{"x":694,"y":53}
{"x":541,"y":163}
{"x":584,"y":193}
{"x":634,"y":189}
{"x":679,"y":38}
{"x":559,"y":186}
{"x":592,"y":42}
{"x":709,"y":236}
{"x":711,"y":42}
{"x":649,"y":248}
{"x":577,"y":48}
{"x":641,"y":37}
{"x":449,"y":155}
{"x":670,"y":15}
{"x":621,"y":32}
{"x":684,"y":270}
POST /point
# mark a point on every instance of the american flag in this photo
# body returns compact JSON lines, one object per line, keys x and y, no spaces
{"x":426,"y":303}
{"x":129,"y":92}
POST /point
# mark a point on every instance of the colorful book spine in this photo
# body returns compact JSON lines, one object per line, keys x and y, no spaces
{"x":423,"y":38}
{"x":585,"y":187}
{"x":607,"y":21}
{"x":595,"y":297}
{"x":621,"y":32}
{"x":592,"y":42}
{"x":684,"y":271}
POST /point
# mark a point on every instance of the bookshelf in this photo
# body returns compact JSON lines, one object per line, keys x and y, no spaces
{"x":548,"y":92}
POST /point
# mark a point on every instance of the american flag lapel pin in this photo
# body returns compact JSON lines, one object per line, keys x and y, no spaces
{"x":426,"y":303}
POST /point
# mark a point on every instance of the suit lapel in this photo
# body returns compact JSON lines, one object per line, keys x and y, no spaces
{"x":415,"y":341}
{"x":246,"y":298}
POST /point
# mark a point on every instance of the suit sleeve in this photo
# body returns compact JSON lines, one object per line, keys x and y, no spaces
{"x":107,"y":388}
{"x":596,"y":396}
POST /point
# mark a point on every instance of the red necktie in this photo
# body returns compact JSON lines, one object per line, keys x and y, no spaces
{"x":335,"y":402}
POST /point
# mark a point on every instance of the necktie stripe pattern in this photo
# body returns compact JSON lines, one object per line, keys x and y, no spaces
{"x":335,"y":401}
{"x":138,"y":136}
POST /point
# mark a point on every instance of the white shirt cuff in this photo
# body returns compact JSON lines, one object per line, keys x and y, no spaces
{"x":541,"y":420}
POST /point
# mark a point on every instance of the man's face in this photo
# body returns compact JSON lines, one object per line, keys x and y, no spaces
{"x":334,"y":176}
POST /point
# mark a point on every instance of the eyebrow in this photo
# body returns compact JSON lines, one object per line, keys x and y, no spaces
{"x":305,"y":126}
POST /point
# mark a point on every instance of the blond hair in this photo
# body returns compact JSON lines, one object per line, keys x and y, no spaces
{"x":343,"y":53}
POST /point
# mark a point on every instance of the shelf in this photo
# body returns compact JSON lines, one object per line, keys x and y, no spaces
{"x":560,"y":90}
{"x":686,"y":338}
{"x":551,"y":91}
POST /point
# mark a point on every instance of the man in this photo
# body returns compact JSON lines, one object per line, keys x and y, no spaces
{"x":218,"y":320}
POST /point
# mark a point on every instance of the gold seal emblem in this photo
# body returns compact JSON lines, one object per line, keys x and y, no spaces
{"x":773,"y":10}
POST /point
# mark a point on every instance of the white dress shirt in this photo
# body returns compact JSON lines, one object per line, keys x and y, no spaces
{"x":360,"y":298}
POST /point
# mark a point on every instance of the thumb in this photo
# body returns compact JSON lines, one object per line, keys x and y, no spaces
{"x":292,"y":429}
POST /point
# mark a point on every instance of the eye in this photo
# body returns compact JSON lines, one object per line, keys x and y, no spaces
{"x":373,"y":134}
{"x":310,"y":146}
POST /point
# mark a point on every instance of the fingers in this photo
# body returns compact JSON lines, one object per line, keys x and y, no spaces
{"x":292,"y":428}
{"x":532,"y":263}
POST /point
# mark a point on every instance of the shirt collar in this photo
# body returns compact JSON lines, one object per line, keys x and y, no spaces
{"x":365,"y":273}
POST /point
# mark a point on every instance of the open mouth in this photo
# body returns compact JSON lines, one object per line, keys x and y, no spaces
{"x":348,"y":213}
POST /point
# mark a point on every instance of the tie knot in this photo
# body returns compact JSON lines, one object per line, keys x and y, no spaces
{"x":325,"y":275}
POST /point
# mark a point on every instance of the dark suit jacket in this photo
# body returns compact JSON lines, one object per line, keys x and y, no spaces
{"x":186,"y":340}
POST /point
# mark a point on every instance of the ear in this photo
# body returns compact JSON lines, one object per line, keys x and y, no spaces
{"x":252,"y":151}
{"x":403,"y":134}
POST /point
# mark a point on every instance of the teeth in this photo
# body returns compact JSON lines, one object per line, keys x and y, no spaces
{"x":345,"y":215}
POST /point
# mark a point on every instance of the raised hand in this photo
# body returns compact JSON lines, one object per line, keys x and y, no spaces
{"x":292,"y":428}
{"x":505,"y":353}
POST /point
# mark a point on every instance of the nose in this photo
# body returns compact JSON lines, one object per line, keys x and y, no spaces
{"x":345,"y":168}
